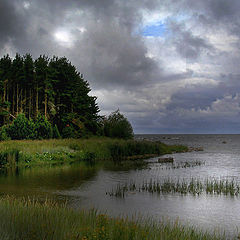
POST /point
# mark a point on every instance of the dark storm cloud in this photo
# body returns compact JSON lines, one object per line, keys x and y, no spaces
{"x":217,"y":14}
{"x":219,"y":10}
{"x":105,"y":45}
{"x":12,"y":24}
{"x":195,"y":97}
{"x":118,"y":58}
{"x":108,"y":53}
{"x":188,"y":45}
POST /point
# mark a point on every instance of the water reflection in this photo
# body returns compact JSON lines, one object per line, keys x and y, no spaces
{"x":38,"y":181}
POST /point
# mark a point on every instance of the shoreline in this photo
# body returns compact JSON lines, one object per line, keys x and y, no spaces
{"x":47,"y":152}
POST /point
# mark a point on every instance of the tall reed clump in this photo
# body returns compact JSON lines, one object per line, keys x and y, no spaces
{"x":9,"y":157}
{"x":123,"y":149}
{"x":166,"y":186}
{"x":28,"y":220}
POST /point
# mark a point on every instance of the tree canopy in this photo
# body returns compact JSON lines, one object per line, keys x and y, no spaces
{"x":117,"y":126}
{"x":49,"y":88}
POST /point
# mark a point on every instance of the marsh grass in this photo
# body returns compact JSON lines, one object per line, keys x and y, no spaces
{"x":183,"y":165}
{"x":32,"y":220}
{"x":193,"y":187}
{"x":54,"y":151}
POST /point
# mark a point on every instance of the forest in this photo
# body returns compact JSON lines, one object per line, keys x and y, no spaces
{"x":48,"y":98}
{"x":47,"y":90}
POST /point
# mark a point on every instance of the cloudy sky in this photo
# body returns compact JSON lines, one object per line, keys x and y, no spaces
{"x":171,"y":66}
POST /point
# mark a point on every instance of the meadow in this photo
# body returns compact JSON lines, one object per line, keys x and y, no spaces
{"x":59,"y":151}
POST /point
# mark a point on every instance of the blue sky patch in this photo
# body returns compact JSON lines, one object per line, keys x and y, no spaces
{"x":155,"y":30}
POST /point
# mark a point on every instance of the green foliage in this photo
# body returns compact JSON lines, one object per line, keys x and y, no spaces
{"x":92,"y":149}
{"x":123,"y":149}
{"x":86,"y":156}
{"x":9,"y":156}
{"x":22,"y":128}
{"x":56,"y":133}
{"x":43,"y":128}
{"x":49,"y":87}
{"x":69,"y":132}
{"x":4,"y":133}
{"x":117,"y":126}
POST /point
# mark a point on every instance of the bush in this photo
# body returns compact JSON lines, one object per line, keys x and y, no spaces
{"x":56,"y":133}
{"x":22,"y":128}
{"x":69,"y":132}
{"x":117,"y":126}
{"x":43,"y":128}
{"x":4,"y":133}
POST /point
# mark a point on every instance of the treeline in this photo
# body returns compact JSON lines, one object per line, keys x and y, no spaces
{"x":47,"y":88}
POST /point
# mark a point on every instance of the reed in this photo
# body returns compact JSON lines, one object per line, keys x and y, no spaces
{"x":169,"y":186}
{"x":182,"y":165}
{"x":32,"y":220}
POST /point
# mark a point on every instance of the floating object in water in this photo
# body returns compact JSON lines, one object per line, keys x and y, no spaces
{"x":166,"y":160}
{"x":224,"y":142}
{"x":195,"y":149}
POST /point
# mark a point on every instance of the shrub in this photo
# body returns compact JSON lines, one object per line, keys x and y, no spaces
{"x":117,"y":126}
{"x":56,"y":133}
{"x":43,"y":128}
{"x":69,"y":132}
{"x":4,"y":133}
{"x":22,"y":128}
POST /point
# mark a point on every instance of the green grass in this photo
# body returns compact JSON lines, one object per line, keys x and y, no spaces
{"x":42,"y":152}
{"x":31,"y":220}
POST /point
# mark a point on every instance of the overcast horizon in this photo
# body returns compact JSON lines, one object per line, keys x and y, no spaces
{"x":169,"y":66}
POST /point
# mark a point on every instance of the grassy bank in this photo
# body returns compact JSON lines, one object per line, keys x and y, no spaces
{"x":25,"y":219}
{"x":40,"y":152}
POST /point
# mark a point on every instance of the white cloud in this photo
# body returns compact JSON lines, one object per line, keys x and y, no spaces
{"x":26,"y":5}
{"x":64,"y":38}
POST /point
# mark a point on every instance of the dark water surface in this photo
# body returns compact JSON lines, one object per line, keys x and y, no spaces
{"x":85,"y":186}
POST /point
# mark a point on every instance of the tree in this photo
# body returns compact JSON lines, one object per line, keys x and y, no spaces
{"x":117,"y":126}
{"x":43,"y":128}
{"x":5,"y":75}
{"x":52,"y":88}
{"x":22,"y":128}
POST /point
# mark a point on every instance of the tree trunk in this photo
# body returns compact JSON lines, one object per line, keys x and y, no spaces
{"x":25,"y":101}
{"x":29,"y":103}
{"x":21,"y":101}
{"x":37,"y":100}
{"x":13,"y":99}
{"x":17,"y":100}
{"x":45,"y":103}
{"x":5,"y":90}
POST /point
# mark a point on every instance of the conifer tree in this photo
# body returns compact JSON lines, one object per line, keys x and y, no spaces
{"x":52,"y":88}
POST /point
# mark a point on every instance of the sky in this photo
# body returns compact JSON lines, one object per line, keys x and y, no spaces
{"x":170,"y":66}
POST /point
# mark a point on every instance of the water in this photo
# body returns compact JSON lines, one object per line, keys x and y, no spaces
{"x":85,"y":186}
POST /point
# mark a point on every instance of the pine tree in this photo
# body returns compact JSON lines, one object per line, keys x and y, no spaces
{"x":52,"y":88}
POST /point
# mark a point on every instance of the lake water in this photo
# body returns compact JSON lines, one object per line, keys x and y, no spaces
{"x":85,"y":186}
